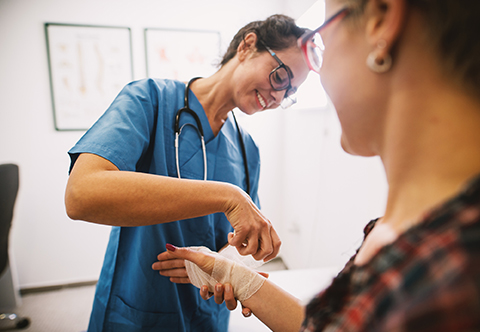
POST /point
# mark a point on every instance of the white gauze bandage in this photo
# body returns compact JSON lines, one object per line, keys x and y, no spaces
{"x":245,"y":281}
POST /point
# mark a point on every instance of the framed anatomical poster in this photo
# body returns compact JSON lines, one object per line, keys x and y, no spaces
{"x":181,"y":54}
{"x":88,"y":65}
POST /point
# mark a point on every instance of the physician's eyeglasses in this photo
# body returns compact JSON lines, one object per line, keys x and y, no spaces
{"x":281,"y":79}
{"x":312,"y":45}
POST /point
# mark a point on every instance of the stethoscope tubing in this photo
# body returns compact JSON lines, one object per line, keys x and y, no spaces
{"x":204,"y":152}
{"x":199,"y":129}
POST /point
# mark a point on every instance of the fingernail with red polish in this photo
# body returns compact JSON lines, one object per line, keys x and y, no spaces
{"x":170,"y":247}
{"x":246,"y":313}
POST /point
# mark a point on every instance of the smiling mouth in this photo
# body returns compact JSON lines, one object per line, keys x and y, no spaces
{"x":261,"y":100}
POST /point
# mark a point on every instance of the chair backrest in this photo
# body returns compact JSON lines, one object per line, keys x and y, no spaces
{"x":8,"y":195}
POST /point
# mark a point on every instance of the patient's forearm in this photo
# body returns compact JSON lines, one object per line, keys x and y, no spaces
{"x":276,"y":308}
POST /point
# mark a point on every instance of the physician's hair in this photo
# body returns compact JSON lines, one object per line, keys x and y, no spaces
{"x":278,"y":32}
{"x":452,"y":28}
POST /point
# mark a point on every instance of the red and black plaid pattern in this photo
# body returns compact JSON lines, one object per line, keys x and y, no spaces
{"x":427,"y":280}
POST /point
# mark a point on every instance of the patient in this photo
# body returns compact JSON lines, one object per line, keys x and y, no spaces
{"x":404,"y":76}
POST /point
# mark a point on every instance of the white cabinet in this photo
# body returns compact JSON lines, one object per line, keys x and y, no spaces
{"x":318,"y":197}
{"x":328,"y":195}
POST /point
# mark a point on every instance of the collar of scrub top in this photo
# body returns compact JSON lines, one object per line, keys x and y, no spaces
{"x":200,"y":132}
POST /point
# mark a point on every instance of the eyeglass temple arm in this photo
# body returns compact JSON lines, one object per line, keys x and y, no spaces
{"x":310,"y":33}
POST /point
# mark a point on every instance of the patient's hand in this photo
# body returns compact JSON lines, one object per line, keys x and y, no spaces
{"x":221,"y":293}
{"x":172,"y":267}
{"x":225,"y":293}
{"x":171,"y":264}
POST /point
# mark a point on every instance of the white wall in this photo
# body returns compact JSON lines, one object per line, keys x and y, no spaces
{"x":48,"y":248}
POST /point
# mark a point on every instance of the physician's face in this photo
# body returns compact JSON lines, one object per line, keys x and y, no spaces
{"x":253,"y":92}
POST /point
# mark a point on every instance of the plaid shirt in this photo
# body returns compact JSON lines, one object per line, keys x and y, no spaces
{"x":427,"y":280}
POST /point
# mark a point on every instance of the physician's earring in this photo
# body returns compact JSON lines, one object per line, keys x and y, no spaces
{"x":377,"y":64}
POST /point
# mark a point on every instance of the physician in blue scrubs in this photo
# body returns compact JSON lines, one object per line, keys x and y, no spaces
{"x":124,"y":173}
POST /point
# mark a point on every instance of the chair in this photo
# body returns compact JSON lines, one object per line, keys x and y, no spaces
{"x":8,"y":195}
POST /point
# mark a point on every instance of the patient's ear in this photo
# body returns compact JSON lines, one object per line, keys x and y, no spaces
{"x":385,"y":20}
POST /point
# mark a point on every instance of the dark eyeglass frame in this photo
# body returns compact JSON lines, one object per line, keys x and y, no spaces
{"x":289,"y":89}
{"x":306,"y":40}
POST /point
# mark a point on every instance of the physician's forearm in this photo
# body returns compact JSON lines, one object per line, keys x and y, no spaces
{"x":98,"y":192}
{"x":276,"y":308}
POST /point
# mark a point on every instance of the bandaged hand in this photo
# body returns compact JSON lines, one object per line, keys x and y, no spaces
{"x":205,"y":267}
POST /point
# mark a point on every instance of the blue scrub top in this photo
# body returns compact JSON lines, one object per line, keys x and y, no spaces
{"x":130,"y":296}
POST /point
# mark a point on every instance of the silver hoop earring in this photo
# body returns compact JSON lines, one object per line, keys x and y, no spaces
{"x":379,"y":65}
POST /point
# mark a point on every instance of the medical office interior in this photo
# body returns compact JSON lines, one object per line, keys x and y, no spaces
{"x":318,"y":197}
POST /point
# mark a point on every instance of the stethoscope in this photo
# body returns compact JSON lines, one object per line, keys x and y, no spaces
{"x":199,"y":128}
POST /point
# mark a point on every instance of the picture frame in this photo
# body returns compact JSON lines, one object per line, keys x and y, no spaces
{"x":88,"y":66}
{"x":181,"y":54}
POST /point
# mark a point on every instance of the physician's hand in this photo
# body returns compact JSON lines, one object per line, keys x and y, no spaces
{"x":253,"y":232}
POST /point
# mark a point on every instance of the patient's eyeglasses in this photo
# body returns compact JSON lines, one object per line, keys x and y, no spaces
{"x":281,"y":79}
{"x":312,"y":45}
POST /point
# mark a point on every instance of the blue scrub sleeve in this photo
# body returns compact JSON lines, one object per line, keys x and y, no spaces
{"x":123,"y":132}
